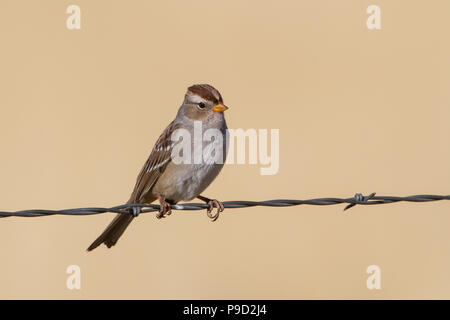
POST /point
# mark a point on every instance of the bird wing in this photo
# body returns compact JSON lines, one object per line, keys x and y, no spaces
{"x":155,"y":165}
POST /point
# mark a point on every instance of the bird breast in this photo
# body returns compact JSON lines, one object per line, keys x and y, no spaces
{"x":185,"y":181}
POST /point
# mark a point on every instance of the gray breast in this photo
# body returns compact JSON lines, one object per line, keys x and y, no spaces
{"x":183,"y":182}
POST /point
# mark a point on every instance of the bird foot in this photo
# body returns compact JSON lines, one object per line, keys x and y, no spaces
{"x":165,"y":208}
{"x":214,"y":203}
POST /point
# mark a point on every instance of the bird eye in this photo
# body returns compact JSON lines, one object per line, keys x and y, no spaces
{"x":201,"y":105}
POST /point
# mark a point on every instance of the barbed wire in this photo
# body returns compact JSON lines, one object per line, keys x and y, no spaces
{"x":137,"y":208}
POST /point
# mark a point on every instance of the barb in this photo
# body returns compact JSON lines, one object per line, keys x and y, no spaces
{"x":362,"y":199}
{"x":136,"y":209}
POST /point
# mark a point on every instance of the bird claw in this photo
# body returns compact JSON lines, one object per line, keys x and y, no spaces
{"x":213,"y":203}
{"x":164,"y":210}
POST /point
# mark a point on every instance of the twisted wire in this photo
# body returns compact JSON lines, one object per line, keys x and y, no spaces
{"x":137,"y":208}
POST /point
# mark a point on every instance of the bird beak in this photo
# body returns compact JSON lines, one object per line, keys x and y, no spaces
{"x":220,"y":108}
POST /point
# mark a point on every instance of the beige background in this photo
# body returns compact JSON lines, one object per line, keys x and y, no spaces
{"x":358,"y":111}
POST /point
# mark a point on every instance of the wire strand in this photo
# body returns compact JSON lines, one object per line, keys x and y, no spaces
{"x":138,"y":208}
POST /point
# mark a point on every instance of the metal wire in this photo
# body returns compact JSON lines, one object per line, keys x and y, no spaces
{"x":136,"y":209}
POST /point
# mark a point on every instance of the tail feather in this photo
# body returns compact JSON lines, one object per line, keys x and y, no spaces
{"x":113,"y":232}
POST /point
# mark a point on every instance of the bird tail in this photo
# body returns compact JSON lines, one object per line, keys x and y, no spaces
{"x":113,"y":231}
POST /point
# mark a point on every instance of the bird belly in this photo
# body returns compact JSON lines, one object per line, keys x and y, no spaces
{"x":187,"y":181}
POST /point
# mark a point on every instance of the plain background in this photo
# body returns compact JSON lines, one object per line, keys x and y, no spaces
{"x":358,"y":111}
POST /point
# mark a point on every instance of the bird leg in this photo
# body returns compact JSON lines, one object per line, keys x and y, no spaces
{"x":164,"y":209}
{"x":213,"y":203}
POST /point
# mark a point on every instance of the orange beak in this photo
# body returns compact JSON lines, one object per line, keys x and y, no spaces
{"x":220,"y":108}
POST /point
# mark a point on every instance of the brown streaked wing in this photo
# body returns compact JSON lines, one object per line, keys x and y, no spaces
{"x":155,"y":164}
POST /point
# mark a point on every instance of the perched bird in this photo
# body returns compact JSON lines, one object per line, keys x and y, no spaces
{"x":168,"y":181}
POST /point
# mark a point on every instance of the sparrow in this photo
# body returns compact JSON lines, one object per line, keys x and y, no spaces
{"x":169,"y":181}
